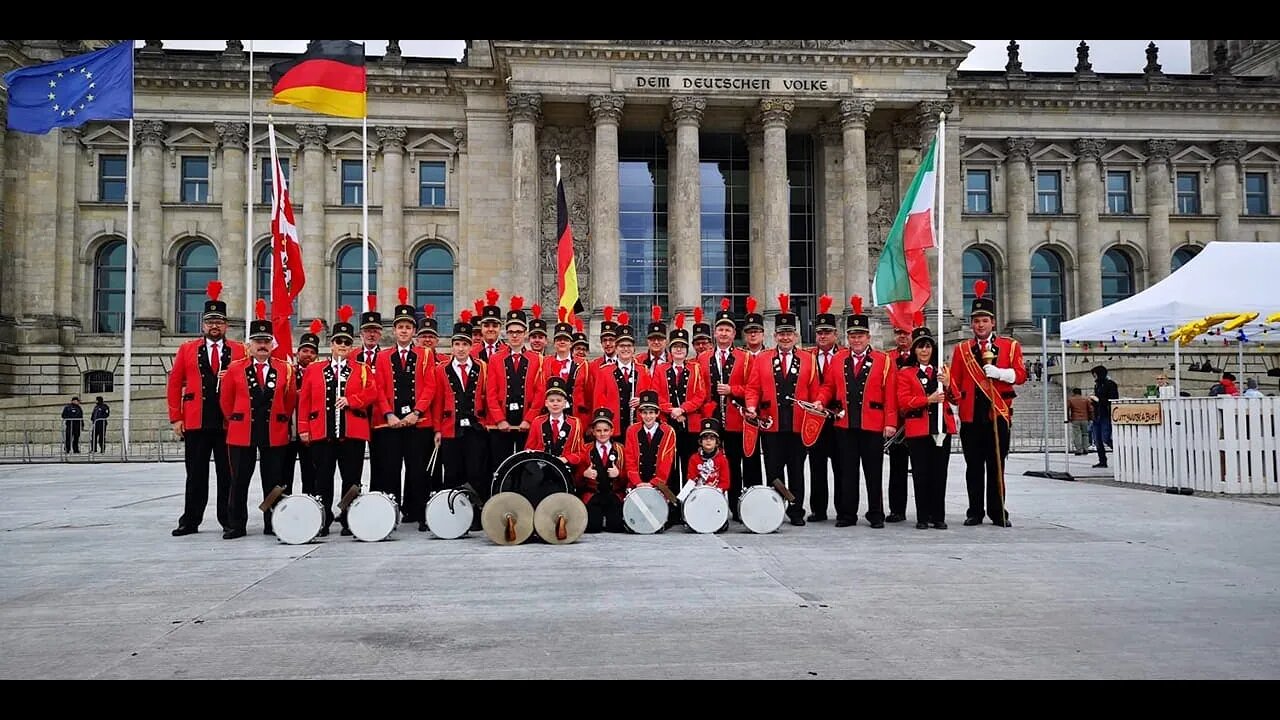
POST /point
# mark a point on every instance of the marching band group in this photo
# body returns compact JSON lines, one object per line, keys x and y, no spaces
{"x":692,"y":406}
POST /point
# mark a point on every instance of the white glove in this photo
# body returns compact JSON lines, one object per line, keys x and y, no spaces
{"x":1002,"y":374}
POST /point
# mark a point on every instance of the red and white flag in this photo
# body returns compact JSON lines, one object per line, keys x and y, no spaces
{"x":287,"y":275}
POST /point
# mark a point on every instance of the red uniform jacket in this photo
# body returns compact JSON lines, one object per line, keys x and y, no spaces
{"x":604,"y":389}
{"x":444,"y":404}
{"x":185,"y":391}
{"x":743,"y":365}
{"x":496,"y":399}
{"x":476,"y":347}
{"x":427,"y":388}
{"x":913,"y":403}
{"x":361,"y":394}
{"x":666,"y":454}
{"x":237,"y":395}
{"x":762,"y":391}
{"x":967,"y":377}
{"x":571,"y":430}
{"x":879,"y":396}
{"x":616,"y":457}
{"x":695,"y":405}
{"x":719,"y":476}
{"x":384,"y":366}
{"x":651,"y":361}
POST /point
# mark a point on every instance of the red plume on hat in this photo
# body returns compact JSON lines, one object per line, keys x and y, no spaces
{"x":784,"y":303}
{"x":260,"y":309}
{"x":855,"y":302}
{"x":577,"y":324}
{"x":608,"y":313}
{"x":479,"y":308}
{"x":724,"y":303}
{"x":680,"y":321}
{"x":404,"y":295}
{"x":918,"y":318}
{"x":697,"y":315}
{"x":824,"y":304}
{"x":215,"y":289}
{"x":465,"y":316}
{"x":373,"y":302}
{"x":562,"y":312}
{"x":316,"y":326}
{"x":429,"y":309}
{"x":491,"y":295}
{"x":624,"y":318}
{"x":979,"y":288}
{"x":536,"y":311}
{"x":656,"y":313}
{"x":751,"y":305}
{"x":517,"y":302}
{"x":344,"y":313}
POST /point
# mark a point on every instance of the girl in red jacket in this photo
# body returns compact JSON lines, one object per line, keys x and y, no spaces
{"x":709,"y":466}
{"x":924,"y":390}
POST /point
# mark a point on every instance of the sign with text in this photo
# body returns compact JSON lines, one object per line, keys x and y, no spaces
{"x":799,"y":84}
{"x":1136,"y":414}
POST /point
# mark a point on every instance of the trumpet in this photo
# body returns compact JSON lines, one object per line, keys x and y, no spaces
{"x":762,"y":423}
{"x":810,"y":407}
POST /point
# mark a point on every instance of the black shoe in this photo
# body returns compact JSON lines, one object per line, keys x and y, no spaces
{"x":922,"y":526}
{"x":324,"y":532}
{"x":737,"y":518}
{"x":422,"y":526}
{"x":475,"y":522}
{"x":877,"y":524}
{"x":269,"y":531}
{"x":845,"y":523}
{"x":346,"y":532}
{"x":1100,"y":465}
{"x":814,"y":517}
{"x":970,"y":522}
{"x":183,"y":530}
{"x":233,"y":534}
{"x":939,"y":526}
{"x":1006,"y":523}
{"x":895,"y":517}
{"x":797,"y":520}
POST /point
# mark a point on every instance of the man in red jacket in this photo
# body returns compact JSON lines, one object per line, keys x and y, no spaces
{"x":197,"y":417}
{"x":457,"y":411}
{"x":719,"y":365}
{"x":402,"y":435}
{"x":984,"y":370}
{"x":258,"y":399}
{"x":899,"y":459}
{"x":682,"y":395}
{"x":830,"y":442}
{"x":513,"y":390}
{"x":618,"y":385}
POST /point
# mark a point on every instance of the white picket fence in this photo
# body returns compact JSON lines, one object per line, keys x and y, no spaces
{"x":1212,"y":444}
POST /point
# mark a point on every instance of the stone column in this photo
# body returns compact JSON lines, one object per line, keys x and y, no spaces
{"x":395,"y":264}
{"x":854,"y":114}
{"x":317,"y":299}
{"x":606,"y":252}
{"x":1159,"y":252}
{"x":1017,"y":274}
{"x":233,"y":137}
{"x":66,"y":255}
{"x":525,"y":110}
{"x":1226,"y":178}
{"x":755,"y":180}
{"x":775,"y":113}
{"x":830,"y":250}
{"x":8,"y":249}
{"x":150,"y":245}
{"x":1088,"y":232}
{"x":685,"y":211}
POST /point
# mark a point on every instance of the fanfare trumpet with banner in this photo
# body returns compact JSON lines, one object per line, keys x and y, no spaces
{"x":751,"y":427}
{"x":814,"y":417}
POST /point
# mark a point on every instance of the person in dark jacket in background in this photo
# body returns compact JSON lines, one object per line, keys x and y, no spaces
{"x":1104,"y":391}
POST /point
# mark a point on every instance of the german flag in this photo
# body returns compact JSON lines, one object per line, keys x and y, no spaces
{"x":566,"y":267}
{"x":328,"y":78}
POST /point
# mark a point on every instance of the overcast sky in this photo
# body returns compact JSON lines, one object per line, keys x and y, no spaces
{"x":1059,"y":55}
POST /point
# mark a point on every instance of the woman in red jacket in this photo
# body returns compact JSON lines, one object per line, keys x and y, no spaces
{"x":924,"y":390}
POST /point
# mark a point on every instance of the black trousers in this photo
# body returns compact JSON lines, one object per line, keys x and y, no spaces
{"x":752,"y":467}
{"x":434,"y":475}
{"x":899,"y":458}
{"x":99,"y":436}
{"x":732,"y":444}
{"x":466,"y":460}
{"x":827,"y":448}
{"x":347,"y":458}
{"x":71,"y":436}
{"x":865,"y":447}
{"x":785,"y":451}
{"x":980,"y":464}
{"x":929,"y":473}
{"x":197,"y":447}
{"x":298,"y":455}
{"x":604,"y":512}
{"x":401,"y":448}
{"x":243,"y":459}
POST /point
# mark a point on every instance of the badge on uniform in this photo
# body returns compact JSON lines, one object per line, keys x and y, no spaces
{"x":271,"y":385}
{"x":564,"y":433}
{"x":513,"y":406}
{"x":405,"y":409}
{"x":464,"y":422}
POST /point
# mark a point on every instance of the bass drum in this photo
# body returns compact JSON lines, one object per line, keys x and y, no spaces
{"x":762,"y":509}
{"x":373,"y":516}
{"x":706,"y":509}
{"x":296,"y":519}
{"x":644,"y":509}
{"x":450,"y":513}
{"x":534,"y":474}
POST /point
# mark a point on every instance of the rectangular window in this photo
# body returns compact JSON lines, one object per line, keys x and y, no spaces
{"x":977,"y":187}
{"x":1119,"y":199}
{"x":195,"y":179}
{"x":267,"y":174}
{"x":431,"y":184}
{"x":1255,"y":194}
{"x":112,"y":171}
{"x":1188,"y":193}
{"x":352,"y":182}
{"x":642,"y":224}
{"x":725,"y":221}
{"x":1049,"y":192}
{"x":803,"y":220}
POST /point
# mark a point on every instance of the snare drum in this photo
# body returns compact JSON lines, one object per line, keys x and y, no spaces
{"x":450,"y":513}
{"x":532,"y":473}
{"x":296,"y":519}
{"x":644,"y":510}
{"x":373,"y":516}
{"x":706,"y":509}
{"x":762,"y":509}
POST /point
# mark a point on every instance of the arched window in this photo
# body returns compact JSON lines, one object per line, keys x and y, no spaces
{"x":433,"y":282}
{"x":1182,"y":256}
{"x":978,"y":265}
{"x":349,"y":286}
{"x":108,"y":287}
{"x":99,"y":381}
{"x":197,"y":265}
{"x":262,"y":263}
{"x":1117,"y":277}
{"x":1047,"y":299}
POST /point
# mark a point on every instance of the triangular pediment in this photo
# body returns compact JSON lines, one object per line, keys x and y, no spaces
{"x":1261,"y":155}
{"x":349,"y":141}
{"x":1124,"y":154}
{"x":284,"y":143}
{"x":105,"y":135}
{"x":1193,"y":155}
{"x":431,"y":144}
{"x":190,"y":137}
{"x":982,"y":152}
{"x":1053,"y":153}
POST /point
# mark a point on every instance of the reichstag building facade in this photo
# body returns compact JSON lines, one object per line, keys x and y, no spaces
{"x":694,"y":170}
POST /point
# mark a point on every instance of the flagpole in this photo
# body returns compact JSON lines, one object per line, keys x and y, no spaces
{"x":251,"y":278}
{"x":128,"y":294}
{"x":939,"y":212}
{"x":364,"y":210}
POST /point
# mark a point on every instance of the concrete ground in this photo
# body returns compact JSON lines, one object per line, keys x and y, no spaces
{"x":1093,"y":581}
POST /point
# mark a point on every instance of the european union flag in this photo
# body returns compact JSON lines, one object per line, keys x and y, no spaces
{"x":72,"y":91}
